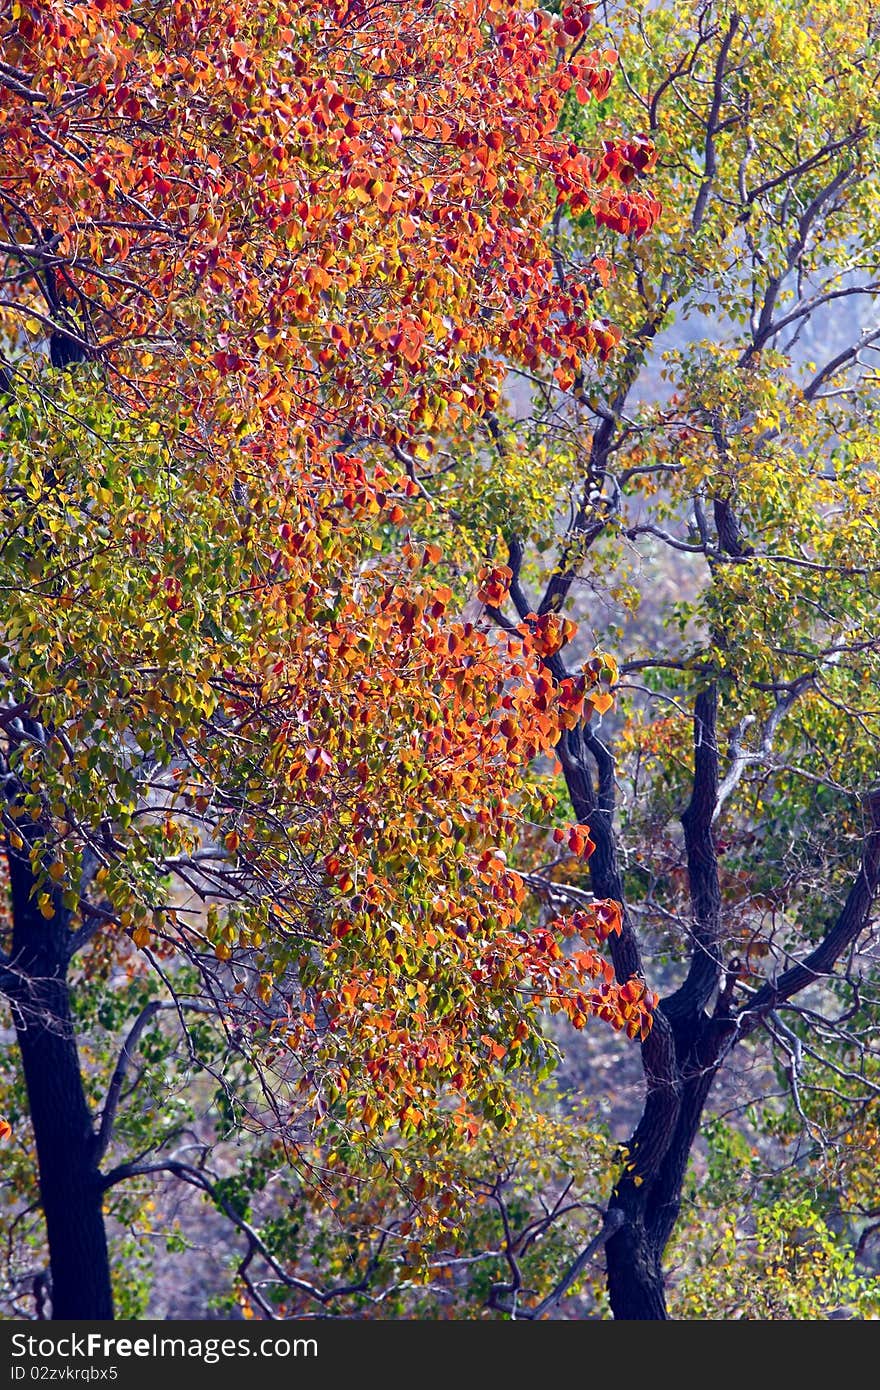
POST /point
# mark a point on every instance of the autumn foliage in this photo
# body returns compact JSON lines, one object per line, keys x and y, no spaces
{"x":278,"y":250}
{"x":336,"y":217}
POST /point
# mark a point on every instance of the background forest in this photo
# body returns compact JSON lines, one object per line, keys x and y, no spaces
{"x":439,"y":649}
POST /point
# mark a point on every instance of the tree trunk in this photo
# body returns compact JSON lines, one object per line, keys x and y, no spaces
{"x":681,"y":1054}
{"x":649,"y":1194}
{"x":634,"y":1271}
{"x":70,"y":1188}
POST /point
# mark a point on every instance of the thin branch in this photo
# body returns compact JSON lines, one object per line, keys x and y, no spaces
{"x":820,"y":156}
{"x":713,"y":125}
{"x":741,"y":758}
{"x":870,"y":335}
{"x":123,"y":1062}
{"x":846,"y":928}
{"x":195,"y":1177}
{"x":612,"y":1223}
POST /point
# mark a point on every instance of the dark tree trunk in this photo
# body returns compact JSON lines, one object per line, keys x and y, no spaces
{"x":649,"y":1194}
{"x":70,"y":1185}
{"x":682,"y":1052}
{"x":634,"y":1268}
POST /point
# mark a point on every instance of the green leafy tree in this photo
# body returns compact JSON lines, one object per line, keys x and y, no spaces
{"x":709,"y":515}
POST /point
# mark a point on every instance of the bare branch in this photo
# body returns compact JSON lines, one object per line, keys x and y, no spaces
{"x":196,"y":1177}
{"x":846,"y":928}
{"x":741,"y":758}
{"x":613,"y":1222}
{"x":124,"y":1060}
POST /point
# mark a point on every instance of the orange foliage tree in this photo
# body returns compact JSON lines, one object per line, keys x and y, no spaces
{"x":250,"y":259}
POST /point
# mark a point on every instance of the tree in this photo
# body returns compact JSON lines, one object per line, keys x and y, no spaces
{"x":250,"y":262}
{"x":733,"y":800}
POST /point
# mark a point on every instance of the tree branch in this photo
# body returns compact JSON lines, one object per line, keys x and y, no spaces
{"x":9,"y":982}
{"x":613,"y":1221}
{"x":713,"y":125}
{"x":805,"y":165}
{"x":515,"y":555}
{"x":742,"y":758}
{"x":831,"y":368}
{"x":765,"y":328}
{"x":195,"y":1177}
{"x":705,"y":966}
{"x":117,"y":1080}
{"x":124,"y":1060}
{"x":842,"y":933}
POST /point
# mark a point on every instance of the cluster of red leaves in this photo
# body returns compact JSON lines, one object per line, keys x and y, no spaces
{"x":342,"y":207}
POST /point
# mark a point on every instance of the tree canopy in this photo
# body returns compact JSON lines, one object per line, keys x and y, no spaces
{"x":250,"y":260}
{"x":440,"y":565}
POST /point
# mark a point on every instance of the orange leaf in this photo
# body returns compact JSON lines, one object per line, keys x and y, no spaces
{"x":601,"y":701}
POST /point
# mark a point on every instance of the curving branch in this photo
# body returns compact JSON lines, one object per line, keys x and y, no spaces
{"x":114,"y":1090}
{"x":740,"y":757}
{"x":256,"y":1247}
{"x":843,"y":932}
{"x":126,"y":1056}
